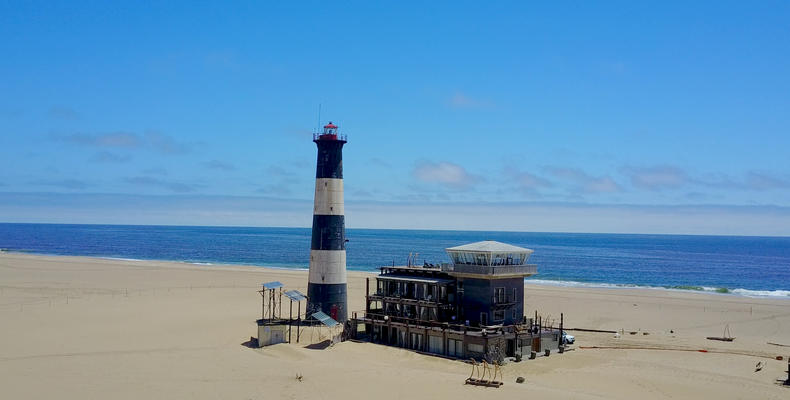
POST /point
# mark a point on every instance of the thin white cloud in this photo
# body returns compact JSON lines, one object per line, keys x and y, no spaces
{"x":522,"y":217}
{"x":150,"y":140}
{"x":176,"y":187}
{"x":657,"y":177}
{"x":445,"y":173}
{"x":584,"y":182}
{"x":526,"y":180}
{"x":762,"y":181}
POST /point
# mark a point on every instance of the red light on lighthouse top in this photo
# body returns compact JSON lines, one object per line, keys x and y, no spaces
{"x":329,"y":133}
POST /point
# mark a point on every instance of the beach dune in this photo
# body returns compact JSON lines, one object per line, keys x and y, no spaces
{"x":83,"y":328}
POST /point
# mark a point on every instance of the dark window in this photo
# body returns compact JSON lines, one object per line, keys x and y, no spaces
{"x":499,"y":295}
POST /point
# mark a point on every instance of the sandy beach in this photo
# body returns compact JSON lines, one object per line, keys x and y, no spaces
{"x":85,"y":328}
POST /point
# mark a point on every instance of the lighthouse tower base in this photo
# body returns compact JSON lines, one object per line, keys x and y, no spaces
{"x":329,"y":298}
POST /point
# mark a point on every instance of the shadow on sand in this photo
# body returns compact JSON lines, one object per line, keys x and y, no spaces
{"x":320,"y":345}
{"x":252,"y":343}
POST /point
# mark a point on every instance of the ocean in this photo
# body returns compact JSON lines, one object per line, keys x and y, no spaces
{"x":738,"y":265}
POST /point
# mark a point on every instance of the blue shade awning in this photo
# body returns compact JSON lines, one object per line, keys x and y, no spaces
{"x":272,"y":285}
{"x":295,"y":295}
{"x":325,"y":319}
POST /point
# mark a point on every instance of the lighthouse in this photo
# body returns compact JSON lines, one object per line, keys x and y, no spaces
{"x":326,"y":287}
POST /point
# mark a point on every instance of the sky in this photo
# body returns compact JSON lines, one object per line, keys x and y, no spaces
{"x":636,"y":117}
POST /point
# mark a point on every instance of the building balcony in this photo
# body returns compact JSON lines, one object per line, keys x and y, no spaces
{"x":491,"y":271}
{"x":394,"y":298}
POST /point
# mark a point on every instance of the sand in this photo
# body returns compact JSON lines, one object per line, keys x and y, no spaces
{"x":85,"y":328}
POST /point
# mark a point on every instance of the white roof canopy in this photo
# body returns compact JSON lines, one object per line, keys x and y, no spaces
{"x":490,"y":246}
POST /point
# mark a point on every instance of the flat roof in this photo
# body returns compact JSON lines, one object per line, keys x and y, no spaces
{"x":490,"y":246}
{"x":414,"y":279}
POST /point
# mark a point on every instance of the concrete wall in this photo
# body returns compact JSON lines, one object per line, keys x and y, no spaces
{"x":272,"y":334}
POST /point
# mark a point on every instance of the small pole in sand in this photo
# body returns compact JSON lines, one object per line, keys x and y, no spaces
{"x":291,"y":319}
{"x":367,"y":296}
{"x":562,"y":333}
{"x":298,"y":319}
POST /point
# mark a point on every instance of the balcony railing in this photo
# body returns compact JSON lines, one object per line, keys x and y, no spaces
{"x":317,"y":136}
{"x":396,"y":298}
{"x":499,"y":270}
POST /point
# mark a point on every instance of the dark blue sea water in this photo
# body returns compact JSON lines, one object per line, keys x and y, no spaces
{"x":755,"y":266}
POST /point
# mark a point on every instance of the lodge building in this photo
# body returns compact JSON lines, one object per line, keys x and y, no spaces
{"x":472,"y":307}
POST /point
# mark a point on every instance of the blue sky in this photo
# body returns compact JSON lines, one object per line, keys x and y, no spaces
{"x":593,"y":117}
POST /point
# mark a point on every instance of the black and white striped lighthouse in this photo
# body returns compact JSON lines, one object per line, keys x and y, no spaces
{"x":326,"y":287}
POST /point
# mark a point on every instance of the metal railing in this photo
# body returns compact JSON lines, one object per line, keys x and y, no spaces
{"x":342,"y":137}
{"x":378,"y":316}
{"x":527,"y":269}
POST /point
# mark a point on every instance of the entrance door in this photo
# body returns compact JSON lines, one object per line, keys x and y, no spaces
{"x":483,"y":318}
{"x":277,"y":336}
{"x":455,"y":348}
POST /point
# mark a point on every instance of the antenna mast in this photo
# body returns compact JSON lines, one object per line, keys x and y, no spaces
{"x":319,"y":117}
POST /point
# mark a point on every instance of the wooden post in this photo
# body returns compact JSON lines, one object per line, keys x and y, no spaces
{"x":444,"y":339}
{"x":298,"y":319}
{"x":367,"y":295}
{"x":515,"y":343}
{"x":290,"y":320}
{"x":281,"y":304}
{"x":408,"y":335}
{"x":562,"y":334}
{"x":389,"y":330}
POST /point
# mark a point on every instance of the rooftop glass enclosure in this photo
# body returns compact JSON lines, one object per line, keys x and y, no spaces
{"x":487,"y":259}
{"x":488,"y":253}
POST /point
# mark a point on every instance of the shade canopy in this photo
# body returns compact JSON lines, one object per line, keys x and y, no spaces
{"x":325,"y":319}
{"x":488,"y":253}
{"x":272,"y":285}
{"x":490,"y":246}
{"x":295,"y":295}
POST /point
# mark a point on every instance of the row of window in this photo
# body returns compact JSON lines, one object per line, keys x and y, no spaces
{"x":487,"y":258}
{"x":499,"y":316}
{"x":499,"y":295}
